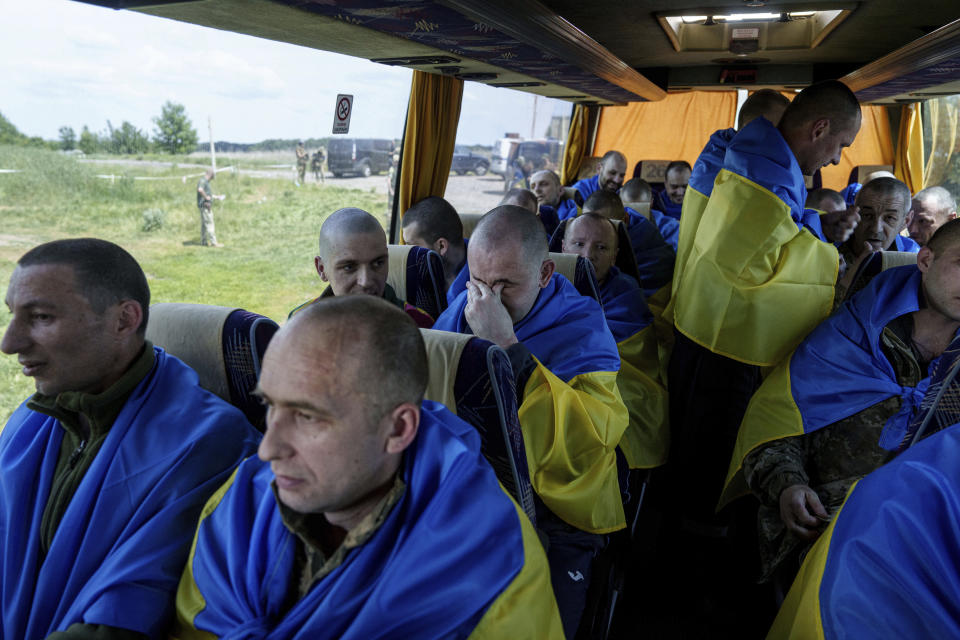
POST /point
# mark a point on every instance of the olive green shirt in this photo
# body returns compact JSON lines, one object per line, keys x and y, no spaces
{"x":86,"y":420}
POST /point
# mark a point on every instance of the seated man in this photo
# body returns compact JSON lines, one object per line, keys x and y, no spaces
{"x":107,"y":466}
{"x":610,"y":174}
{"x":850,"y":191}
{"x":637,"y":195}
{"x":832,"y":221}
{"x":644,"y":443}
{"x":884,"y":207}
{"x":840,"y":404}
{"x":565,"y":362}
{"x":433,"y":223}
{"x":654,"y":256}
{"x":370,"y":512}
{"x":525,"y":198}
{"x":676,"y":178}
{"x":354,"y":260}
{"x":551,"y":196}
{"x":932,"y":208}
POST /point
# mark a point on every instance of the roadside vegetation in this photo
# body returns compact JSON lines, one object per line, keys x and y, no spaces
{"x":269,"y":227}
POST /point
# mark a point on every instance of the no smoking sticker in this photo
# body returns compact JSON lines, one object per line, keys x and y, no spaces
{"x":341,"y":113}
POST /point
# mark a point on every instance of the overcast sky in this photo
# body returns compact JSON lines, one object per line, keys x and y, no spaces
{"x":69,"y":63}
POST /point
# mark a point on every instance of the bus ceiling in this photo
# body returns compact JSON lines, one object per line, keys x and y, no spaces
{"x":612,"y":52}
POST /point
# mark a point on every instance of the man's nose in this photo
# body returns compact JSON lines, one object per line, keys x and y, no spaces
{"x":15,"y":339}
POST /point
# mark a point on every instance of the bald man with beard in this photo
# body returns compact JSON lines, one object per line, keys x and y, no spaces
{"x":610,"y":175}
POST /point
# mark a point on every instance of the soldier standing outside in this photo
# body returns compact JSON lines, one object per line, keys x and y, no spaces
{"x":316,"y":165}
{"x":302,"y":157}
{"x":205,"y":204}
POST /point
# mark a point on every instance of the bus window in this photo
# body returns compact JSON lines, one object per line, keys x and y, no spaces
{"x":941,"y":143}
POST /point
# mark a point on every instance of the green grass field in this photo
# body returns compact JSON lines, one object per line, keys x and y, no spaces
{"x":269,"y":228}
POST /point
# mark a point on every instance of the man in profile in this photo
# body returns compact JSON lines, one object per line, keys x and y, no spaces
{"x":526,"y":199}
{"x":107,"y":466}
{"x":610,"y":175}
{"x":551,"y":196}
{"x":565,"y":362}
{"x":370,"y":512}
{"x":434,"y":224}
{"x":932,"y":208}
{"x":644,"y":443}
{"x":354,"y":260}
{"x":205,"y":198}
{"x":675,"y":180}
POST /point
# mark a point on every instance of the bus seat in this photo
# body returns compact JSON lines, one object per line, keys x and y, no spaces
{"x":859,"y":173}
{"x":473,"y":378}
{"x":654,"y":172}
{"x":626,"y":261}
{"x":588,"y":168}
{"x":579,"y":271}
{"x":879,"y":261}
{"x":416,"y":275}
{"x":224,"y":345}
{"x":470,"y":221}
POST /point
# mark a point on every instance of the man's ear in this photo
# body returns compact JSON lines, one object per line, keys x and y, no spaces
{"x":404,"y":421}
{"x":907,"y":219}
{"x":546,"y":272}
{"x":441,"y":246}
{"x":318,"y":264}
{"x":819,"y":128}
{"x":924,"y":259}
{"x":129,"y":317}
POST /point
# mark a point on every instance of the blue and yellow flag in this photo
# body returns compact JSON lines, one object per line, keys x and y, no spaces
{"x":646,"y":441}
{"x":886,"y":567}
{"x":571,"y":411}
{"x":756,"y":281}
{"x":455,"y":558}
{"x":836,"y":372}
{"x":118,"y":551}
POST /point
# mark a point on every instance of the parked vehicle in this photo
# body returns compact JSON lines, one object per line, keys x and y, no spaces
{"x":359,"y":156}
{"x":465,"y":160}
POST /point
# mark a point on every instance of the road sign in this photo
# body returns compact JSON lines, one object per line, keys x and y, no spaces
{"x":341,"y":113}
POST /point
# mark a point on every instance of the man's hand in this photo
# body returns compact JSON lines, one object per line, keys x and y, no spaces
{"x":846,"y":279}
{"x":802,"y":512}
{"x":839,"y":225}
{"x":487,"y":316}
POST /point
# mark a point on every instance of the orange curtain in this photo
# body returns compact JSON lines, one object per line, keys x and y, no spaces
{"x":675,"y":128}
{"x":432,"y":117}
{"x":873,"y":145}
{"x":909,"y":165}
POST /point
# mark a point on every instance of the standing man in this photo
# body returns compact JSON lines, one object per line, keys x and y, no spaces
{"x":302,"y":157}
{"x":205,"y":204}
{"x":316,"y":165}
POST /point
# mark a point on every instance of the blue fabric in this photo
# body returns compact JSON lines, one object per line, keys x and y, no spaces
{"x":459,"y":283}
{"x":119,"y":550}
{"x":710,"y":161}
{"x":668,"y":227}
{"x":891,"y":568}
{"x":655,"y":258}
{"x":624,"y":305}
{"x":811,"y":220}
{"x":587,"y":186}
{"x":549,"y":219}
{"x":903,"y":243}
{"x":567,"y":209}
{"x":759,"y":153}
{"x":850,"y":192}
{"x":840,"y":369}
{"x":430,"y":571}
{"x":564,"y":330}
{"x":662,"y":202}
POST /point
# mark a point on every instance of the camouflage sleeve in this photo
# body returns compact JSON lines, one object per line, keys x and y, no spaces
{"x":80,"y":631}
{"x":774,"y":466}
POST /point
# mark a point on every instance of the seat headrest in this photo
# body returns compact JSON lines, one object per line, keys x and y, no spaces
{"x":891,"y":259}
{"x":566,"y":264}
{"x":397,"y":268}
{"x":444,"y":349}
{"x":643,"y":208}
{"x":469,"y":221}
{"x":194,"y":334}
{"x":588,"y":167}
{"x":654,"y":171}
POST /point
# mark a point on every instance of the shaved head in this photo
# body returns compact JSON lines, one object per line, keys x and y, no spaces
{"x":344,"y":223}
{"x":605,"y":203}
{"x":820,"y":123}
{"x":508,"y":224}
{"x":767,"y":103}
{"x":948,"y":235}
{"x":636,"y":190}
{"x":612,"y":170}
{"x":825,"y":200}
{"x":521,"y":198}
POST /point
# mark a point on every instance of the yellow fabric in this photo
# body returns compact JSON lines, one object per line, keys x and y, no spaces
{"x":873,"y":145}
{"x":432,"y":117}
{"x":754,"y":285}
{"x":575,"y":149}
{"x":646,"y":441}
{"x":909,"y":163}
{"x":799,"y":616}
{"x":189,"y":600}
{"x":944,"y":141}
{"x":771,"y":415}
{"x":526,"y":608}
{"x":694,"y":203}
{"x":670,"y":129}
{"x":444,"y":349}
{"x":571,"y":431}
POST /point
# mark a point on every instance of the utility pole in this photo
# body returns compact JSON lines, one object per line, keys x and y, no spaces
{"x":213,"y":153}
{"x":533,"y":123}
